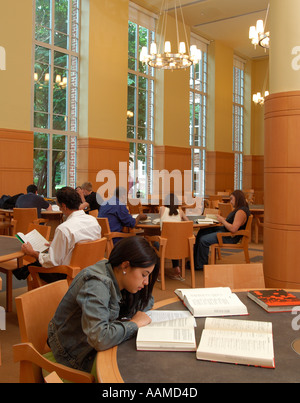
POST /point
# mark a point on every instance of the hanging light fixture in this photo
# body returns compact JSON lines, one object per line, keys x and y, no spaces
{"x":259,"y":99}
{"x":258,"y":35}
{"x":161,"y":56}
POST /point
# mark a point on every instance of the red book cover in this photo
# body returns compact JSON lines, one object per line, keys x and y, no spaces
{"x":274,"y":300}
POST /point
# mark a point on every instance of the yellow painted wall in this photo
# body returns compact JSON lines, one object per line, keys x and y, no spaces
{"x":107,"y":70}
{"x":172,"y":98}
{"x":260,"y":83}
{"x":15,"y":82}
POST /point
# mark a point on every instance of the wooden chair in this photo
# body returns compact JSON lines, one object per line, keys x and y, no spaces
{"x":25,"y":216}
{"x":235,"y":276}
{"x":135,"y":206}
{"x":224,"y":209}
{"x":94,"y":213}
{"x":211,"y":211}
{"x":243,"y":244}
{"x":8,"y":267}
{"x":84,"y":254}
{"x":35,"y":309}
{"x":7,"y":225}
{"x":175,"y":242}
{"x":105,"y":231}
{"x":258,"y":223}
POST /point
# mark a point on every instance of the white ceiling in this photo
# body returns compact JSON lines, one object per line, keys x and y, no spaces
{"x":224,"y":20}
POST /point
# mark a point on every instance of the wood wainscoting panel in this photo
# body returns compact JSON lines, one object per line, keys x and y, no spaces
{"x":219,"y":171}
{"x":282,"y":190}
{"x":16,"y":161}
{"x":95,"y":155}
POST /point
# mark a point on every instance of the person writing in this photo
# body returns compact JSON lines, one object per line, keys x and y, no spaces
{"x":104,"y":305}
{"x":171,"y":213}
{"x":236,"y":220}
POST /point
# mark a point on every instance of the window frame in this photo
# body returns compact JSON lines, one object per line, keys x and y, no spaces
{"x":72,"y":105}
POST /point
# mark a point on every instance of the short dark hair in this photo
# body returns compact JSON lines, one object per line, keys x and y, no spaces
{"x":139,"y":253}
{"x":69,"y":197}
{"x":31,"y":189}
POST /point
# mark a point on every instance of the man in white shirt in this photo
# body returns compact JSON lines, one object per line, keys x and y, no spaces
{"x":77,"y":227}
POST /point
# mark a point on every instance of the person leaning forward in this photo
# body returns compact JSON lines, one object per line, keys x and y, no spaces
{"x":77,"y":227}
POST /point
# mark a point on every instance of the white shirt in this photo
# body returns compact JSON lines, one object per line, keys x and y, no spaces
{"x":79,"y":226}
{"x":169,"y":218}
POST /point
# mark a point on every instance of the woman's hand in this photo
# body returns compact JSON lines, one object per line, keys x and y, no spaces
{"x":141,"y":319}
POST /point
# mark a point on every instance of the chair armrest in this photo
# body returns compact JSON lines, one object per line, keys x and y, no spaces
{"x":40,"y":220}
{"x":70,"y":271}
{"x":220,"y":235}
{"x":27,"y":352}
{"x":121,"y":234}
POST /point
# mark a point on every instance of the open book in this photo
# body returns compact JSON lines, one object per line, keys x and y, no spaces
{"x":237,"y":342}
{"x":35,"y":239}
{"x":207,"y":220}
{"x":170,"y":335}
{"x":216,"y":301}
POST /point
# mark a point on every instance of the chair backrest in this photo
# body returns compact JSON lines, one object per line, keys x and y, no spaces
{"x":225,"y":209}
{"x":24,"y":216}
{"x":35,"y":309}
{"x":177,"y":235}
{"x":44,"y":230}
{"x":104,"y":224}
{"x":135,"y":206}
{"x":248,"y":229}
{"x":211,"y":211}
{"x":88,"y":252}
{"x":235,"y":276}
{"x":94,"y":213}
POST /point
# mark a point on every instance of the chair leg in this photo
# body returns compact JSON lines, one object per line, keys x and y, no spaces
{"x":183,"y":268}
{"x":162,"y":274}
{"x":246,"y":252}
{"x":212,"y":255}
{"x":9,"y":291}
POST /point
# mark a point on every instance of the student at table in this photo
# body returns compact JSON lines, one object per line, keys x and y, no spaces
{"x":236,"y":220}
{"x":77,"y":227}
{"x":118,"y":215}
{"x":104,"y":305}
{"x":32,"y":199}
{"x":171,"y":213}
{"x":89,"y":199}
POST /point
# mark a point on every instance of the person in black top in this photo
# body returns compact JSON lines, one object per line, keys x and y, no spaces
{"x":236,"y":220}
{"x":90,"y":199}
{"x":32,"y":199}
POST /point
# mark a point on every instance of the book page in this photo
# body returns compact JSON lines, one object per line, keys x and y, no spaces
{"x":237,"y":344}
{"x":238,"y":325}
{"x":37,"y":240}
{"x":179,"y":322}
{"x":161,"y":316}
{"x":181,"y":292}
{"x":215,"y":305}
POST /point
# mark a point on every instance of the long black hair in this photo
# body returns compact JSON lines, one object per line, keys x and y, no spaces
{"x":171,"y":201}
{"x":139,"y":253}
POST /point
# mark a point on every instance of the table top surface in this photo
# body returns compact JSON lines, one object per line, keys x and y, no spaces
{"x":10,"y":248}
{"x":152,"y":216}
{"x":126,"y":364}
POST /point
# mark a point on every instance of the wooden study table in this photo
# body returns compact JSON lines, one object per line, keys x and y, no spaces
{"x":10,"y":248}
{"x":125,"y":364}
{"x":150,"y":228}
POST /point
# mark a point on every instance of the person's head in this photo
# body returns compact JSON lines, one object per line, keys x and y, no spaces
{"x":135,"y":266}
{"x":238,"y":199}
{"x":121,"y":194}
{"x":87,"y":188}
{"x":32,"y":189}
{"x":171,"y":201}
{"x":68,"y":198}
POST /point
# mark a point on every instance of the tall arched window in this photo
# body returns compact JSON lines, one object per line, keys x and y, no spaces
{"x":55,"y":92}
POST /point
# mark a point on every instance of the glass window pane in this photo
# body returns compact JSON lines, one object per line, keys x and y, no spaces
{"x":61,"y":40}
{"x":43,"y":12}
{"x":41,"y":87}
{"x":41,"y":140}
{"x":62,"y":16}
{"x":41,"y":120}
{"x":40,"y":173}
{"x":42,"y":34}
{"x":59,"y":171}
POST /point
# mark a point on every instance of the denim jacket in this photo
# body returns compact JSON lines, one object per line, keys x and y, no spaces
{"x":86,"y":320}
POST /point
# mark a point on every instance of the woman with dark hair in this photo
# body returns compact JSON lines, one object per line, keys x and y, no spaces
{"x":104,"y":305}
{"x":171,"y":213}
{"x":236,"y":220}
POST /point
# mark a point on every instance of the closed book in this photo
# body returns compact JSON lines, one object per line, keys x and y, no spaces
{"x":275,"y":300}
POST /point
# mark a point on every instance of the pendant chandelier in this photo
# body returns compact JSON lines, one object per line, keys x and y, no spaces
{"x":259,"y":99}
{"x":161,"y":56}
{"x":258,"y":35}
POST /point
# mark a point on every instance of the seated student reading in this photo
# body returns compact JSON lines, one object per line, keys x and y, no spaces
{"x":236,"y":220}
{"x":104,"y":304}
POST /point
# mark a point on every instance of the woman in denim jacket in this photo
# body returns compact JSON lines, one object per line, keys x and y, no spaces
{"x":104,"y":304}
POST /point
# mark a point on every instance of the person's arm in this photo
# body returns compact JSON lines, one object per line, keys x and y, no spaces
{"x":84,"y":204}
{"x":58,"y":251}
{"x":183,"y":216}
{"x":98,"y":309}
{"x":239,"y":219}
{"x":49,"y":208}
